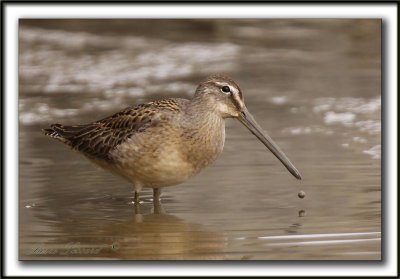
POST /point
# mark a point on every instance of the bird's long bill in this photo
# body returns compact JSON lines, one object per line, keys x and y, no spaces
{"x":248,"y":120}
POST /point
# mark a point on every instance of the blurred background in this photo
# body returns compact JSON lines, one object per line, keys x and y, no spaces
{"x":314,"y":85}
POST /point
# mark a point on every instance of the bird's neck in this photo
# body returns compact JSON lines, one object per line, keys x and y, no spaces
{"x":203,"y":134}
{"x":202,"y":114}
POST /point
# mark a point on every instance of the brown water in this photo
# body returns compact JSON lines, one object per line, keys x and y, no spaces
{"x":314,"y":85}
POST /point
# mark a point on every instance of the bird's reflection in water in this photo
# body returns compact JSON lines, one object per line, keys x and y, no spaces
{"x":302,"y":213}
{"x":157,"y":208}
{"x":148,"y":233}
{"x":154,"y":234}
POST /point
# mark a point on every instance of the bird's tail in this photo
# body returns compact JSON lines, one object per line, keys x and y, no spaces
{"x":61,"y":132}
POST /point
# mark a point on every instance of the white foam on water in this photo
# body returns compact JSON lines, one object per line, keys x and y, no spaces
{"x":370,"y":126}
{"x":359,"y":117}
{"x":360,"y":140}
{"x":41,"y":114}
{"x":121,"y":67}
{"x":374,"y":152}
{"x":279,"y":100}
{"x":301,"y":130}
{"x":119,"y":61}
{"x":348,"y":104}
{"x":358,"y":105}
{"x":344,"y":118}
{"x":323,"y":107}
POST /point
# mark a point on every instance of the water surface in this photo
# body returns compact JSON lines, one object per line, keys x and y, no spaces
{"x":314,"y":85}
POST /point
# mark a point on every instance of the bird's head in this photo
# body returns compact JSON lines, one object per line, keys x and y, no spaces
{"x":225,"y":97}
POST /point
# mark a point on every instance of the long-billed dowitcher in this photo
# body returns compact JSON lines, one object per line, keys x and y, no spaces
{"x":165,"y":142}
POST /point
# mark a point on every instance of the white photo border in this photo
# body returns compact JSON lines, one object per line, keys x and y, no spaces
{"x":13,"y":11}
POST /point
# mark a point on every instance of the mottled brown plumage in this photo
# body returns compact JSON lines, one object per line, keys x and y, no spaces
{"x":99,"y":138}
{"x":165,"y":142}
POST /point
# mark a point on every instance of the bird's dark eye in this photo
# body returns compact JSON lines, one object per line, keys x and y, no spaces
{"x":226,"y":89}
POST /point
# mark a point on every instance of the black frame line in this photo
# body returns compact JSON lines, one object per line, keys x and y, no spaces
{"x":94,"y":263}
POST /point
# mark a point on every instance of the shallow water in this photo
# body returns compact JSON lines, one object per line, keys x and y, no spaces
{"x":314,"y":85}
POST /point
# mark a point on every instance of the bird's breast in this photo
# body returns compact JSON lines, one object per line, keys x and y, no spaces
{"x":154,"y":158}
{"x":203,"y":145}
{"x":169,"y":155}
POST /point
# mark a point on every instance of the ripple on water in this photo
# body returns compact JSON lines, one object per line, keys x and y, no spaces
{"x":374,"y":152}
{"x":348,"y":104}
{"x":344,"y":118}
{"x":356,"y":121}
{"x":124,"y":67}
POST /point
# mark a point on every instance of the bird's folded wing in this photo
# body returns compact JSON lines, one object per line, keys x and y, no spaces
{"x":99,"y":138}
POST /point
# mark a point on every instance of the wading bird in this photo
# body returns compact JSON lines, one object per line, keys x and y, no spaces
{"x":165,"y":142}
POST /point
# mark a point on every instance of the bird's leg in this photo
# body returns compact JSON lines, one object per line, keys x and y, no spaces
{"x":136,"y":199}
{"x":156,"y":194}
{"x":158,"y":208}
{"x":136,"y":204}
{"x":137,"y":210}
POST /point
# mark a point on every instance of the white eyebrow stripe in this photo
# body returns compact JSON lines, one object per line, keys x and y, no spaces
{"x":234,"y":90}
{"x":237,"y":99}
{"x":222,"y":84}
{"x":232,"y":87}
